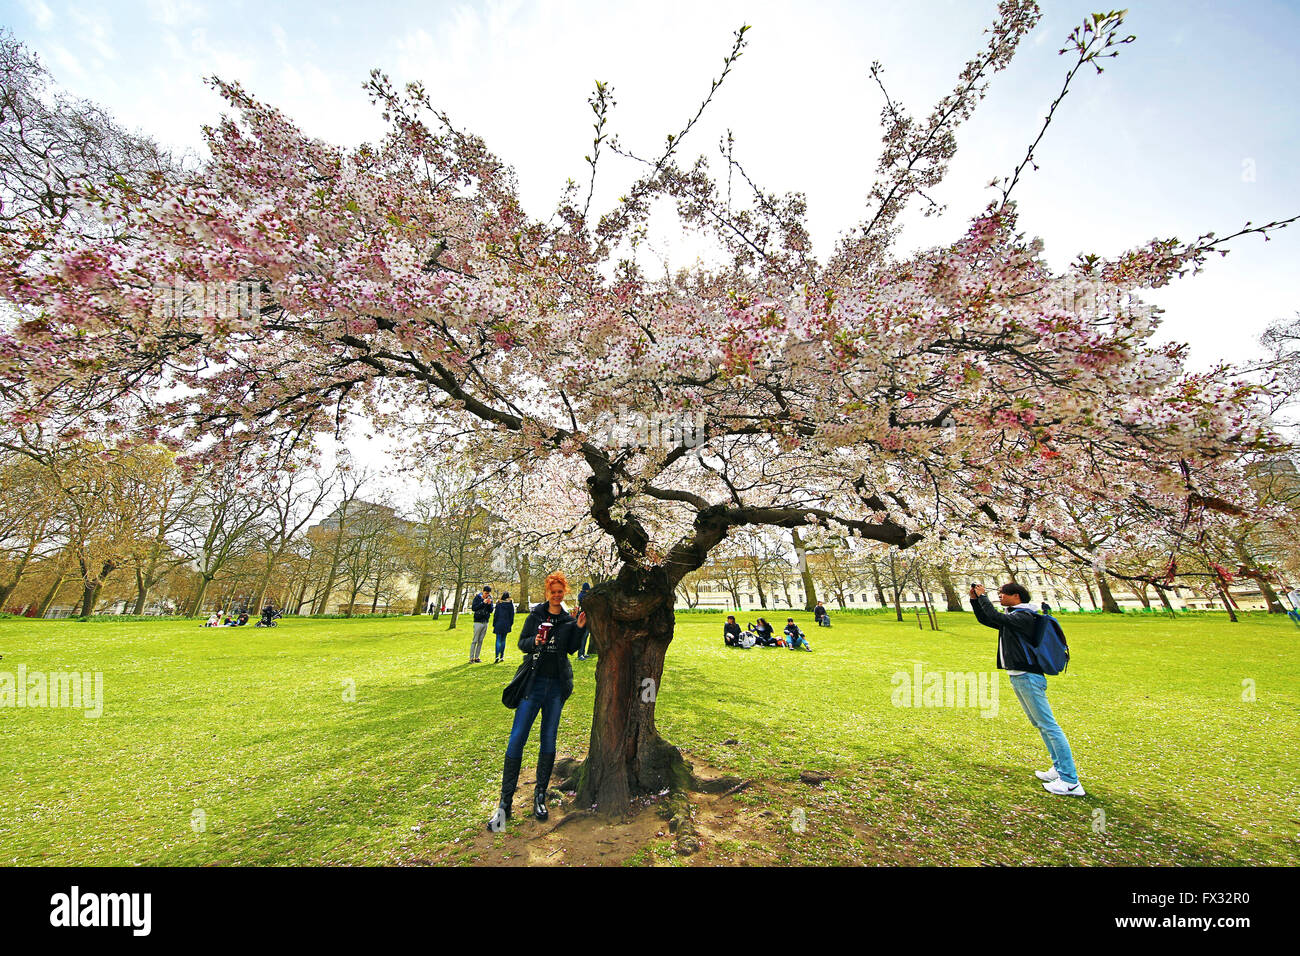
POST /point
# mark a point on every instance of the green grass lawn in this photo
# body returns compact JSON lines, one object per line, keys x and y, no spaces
{"x":242,"y":746}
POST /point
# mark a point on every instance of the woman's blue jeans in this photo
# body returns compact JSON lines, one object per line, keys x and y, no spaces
{"x":501,"y":643}
{"x":1031,"y":691}
{"x":547,"y":696}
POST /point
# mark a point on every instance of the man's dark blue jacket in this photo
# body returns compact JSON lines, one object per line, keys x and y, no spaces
{"x":1012,"y":627}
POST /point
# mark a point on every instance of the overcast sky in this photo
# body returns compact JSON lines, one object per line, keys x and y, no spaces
{"x":1193,"y":128}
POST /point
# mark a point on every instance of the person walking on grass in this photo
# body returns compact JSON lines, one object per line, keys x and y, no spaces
{"x":1018,"y":622}
{"x":551,"y":632}
{"x":503,"y":619}
{"x":482,"y":610}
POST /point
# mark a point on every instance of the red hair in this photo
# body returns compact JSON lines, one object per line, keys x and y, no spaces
{"x":556,"y":576}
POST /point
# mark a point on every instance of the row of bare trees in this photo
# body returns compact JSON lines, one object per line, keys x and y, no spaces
{"x":87,"y":527}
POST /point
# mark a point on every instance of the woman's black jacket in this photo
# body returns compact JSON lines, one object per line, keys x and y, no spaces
{"x":564,"y":640}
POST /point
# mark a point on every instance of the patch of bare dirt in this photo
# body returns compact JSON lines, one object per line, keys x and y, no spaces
{"x":723,"y":821}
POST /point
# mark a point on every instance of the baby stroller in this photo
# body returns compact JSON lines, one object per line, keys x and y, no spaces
{"x":269,"y":616}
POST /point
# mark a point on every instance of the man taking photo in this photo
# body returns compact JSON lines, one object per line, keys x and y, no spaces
{"x":1017,"y":623}
{"x":482,"y":609}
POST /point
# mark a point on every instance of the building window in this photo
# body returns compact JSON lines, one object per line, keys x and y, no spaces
{"x":850,"y":598}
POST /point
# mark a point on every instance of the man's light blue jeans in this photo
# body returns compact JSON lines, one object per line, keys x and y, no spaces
{"x":1031,"y":691}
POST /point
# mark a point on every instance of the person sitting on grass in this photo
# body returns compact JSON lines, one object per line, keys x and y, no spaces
{"x":731,"y":632}
{"x":1019,"y":623}
{"x":763,"y":633}
{"x":214,"y":620}
{"x":794,"y":637}
{"x":820,"y":615}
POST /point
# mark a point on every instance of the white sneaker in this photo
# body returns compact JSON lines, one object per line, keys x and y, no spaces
{"x":1063,"y":789}
{"x":1047,"y":776}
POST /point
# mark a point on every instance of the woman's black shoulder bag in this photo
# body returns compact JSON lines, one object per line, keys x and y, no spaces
{"x":521,"y":683}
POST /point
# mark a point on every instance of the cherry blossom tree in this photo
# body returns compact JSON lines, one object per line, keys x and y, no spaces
{"x":887,"y":396}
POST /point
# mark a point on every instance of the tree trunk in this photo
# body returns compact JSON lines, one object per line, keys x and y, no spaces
{"x":1108,"y":604}
{"x":302,"y":596}
{"x":51,"y":594}
{"x":11,"y":585}
{"x":141,"y":593}
{"x":196,"y":606}
{"x":950,"y":594}
{"x":1270,"y":597}
{"x":422,"y":595}
{"x":525,"y":572}
{"x":1164,"y":599}
{"x":1011,"y":574}
{"x":1248,"y":560}
{"x":7,"y":589}
{"x":263,"y":583}
{"x":626,"y":757}
{"x":1141,"y":591}
{"x":897,"y":588}
{"x":1091,"y":597}
{"x":455,"y":607}
{"x":87,"y":599}
{"x":809,"y":588}
{"x":1227,"y":601}
{"x":880,"y":588}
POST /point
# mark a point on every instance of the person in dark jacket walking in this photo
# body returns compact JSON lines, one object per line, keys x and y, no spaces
{"x":503,"y":619}
{"x":1019,"y":623}
{"x":586,"y":631}
{"x":482,"y":610}
{"x":551,"y":633}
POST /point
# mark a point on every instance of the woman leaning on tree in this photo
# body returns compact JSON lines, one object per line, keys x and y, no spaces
{"x":553,"y":634}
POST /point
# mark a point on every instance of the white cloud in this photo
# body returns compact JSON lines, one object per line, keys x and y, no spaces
{"x":95,"y":30}
{"x":42,"y":16}
{"x":175,"y":12}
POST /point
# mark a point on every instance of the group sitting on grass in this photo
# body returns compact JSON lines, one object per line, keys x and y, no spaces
{"x":217,"y":619}
{"x":761,"y":634}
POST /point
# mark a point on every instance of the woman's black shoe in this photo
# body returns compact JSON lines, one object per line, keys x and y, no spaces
{"x":509,"y":779}
{"x":545,"y":762}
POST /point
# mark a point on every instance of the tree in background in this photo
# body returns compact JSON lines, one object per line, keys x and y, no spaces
{"x":28,"y":520}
